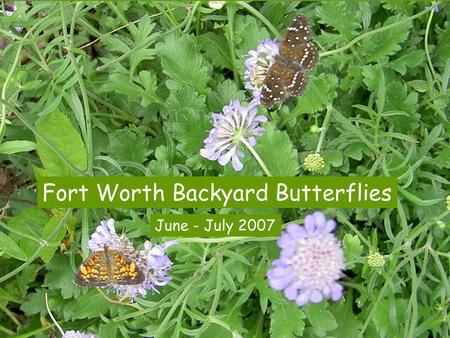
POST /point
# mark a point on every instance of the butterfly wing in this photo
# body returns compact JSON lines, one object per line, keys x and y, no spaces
{"x":93,"y":271}
{"x":297,"y":47}
{"x":286,"y":76}
{"x":124,"y":270}
{"x":281,"y":82}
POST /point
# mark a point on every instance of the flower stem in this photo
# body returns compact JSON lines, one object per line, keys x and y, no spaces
{"x":224,"y":239}
{"x":51,"y":315}
{"x":324,"y":128}
{"x":261,"y":17}
{"x":427,"y":33}
{"x":256,"y":156}
{"x":375,"y":31}
{"x":230,"y":39}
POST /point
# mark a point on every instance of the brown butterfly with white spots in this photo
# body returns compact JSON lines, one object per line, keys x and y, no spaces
{"x":287,"y":75}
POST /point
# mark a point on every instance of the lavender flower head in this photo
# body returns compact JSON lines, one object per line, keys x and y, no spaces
{"x":311,"y":261}
{"x":435,"y":8}
{"x":152,"y":260}
{"x":77,"y":334}
{"x":257,"y":65}
{"x":236,"y":125}
{"x":156,"y":265}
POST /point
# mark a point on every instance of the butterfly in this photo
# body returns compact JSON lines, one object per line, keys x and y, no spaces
{"x":104,"y":267}
{"x":287,"y":75}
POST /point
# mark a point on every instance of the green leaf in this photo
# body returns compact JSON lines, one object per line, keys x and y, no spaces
{"x":34,"y":303}
{"x":216,"y":49}
{"x":128,"y":145}
{"x":348,"y":323}
{"x":389,"y":317}
{"x":110,"y":329}
{"x":60,"y":277}
{"x":90,"y":305}
{"x":120,"y":83}
{"x":58,"y":130}
{"x":145,"y":92}
{"x":49,"y":250}
{"x":141,"y":35}
{"x":387,"y":43}
{"x":12,"y":147}
{"x":286,"y":320}
{"x":182,"y":62}
{"x":321,"y":319}
{"x":162,"y":168}
{"x":334,"y":157}
{"x":8,"y":246}
{"x":411,"y":59}
{"x":148,"y":81}
{"x":283,"y":162}
{"x":184,"y":101}
{"x":225,"y":92}
{"x":27,"y":228}
{"x":442,"y":50}
{"x":339,"y":16}
{"x":189,"y":123}
{"x":321,"y":90}
{"x":352,"y":249}
{"x":398,"y":99}
{"x":248,"y":33}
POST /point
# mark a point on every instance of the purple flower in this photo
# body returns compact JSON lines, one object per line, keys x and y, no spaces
{"x":436,"y":8}
{"x":104,"y":235}
{"x":234,"y":126}
{"x":257,"y":65}
{"x":77,"y":334}
{"x":152,"y":260}
{"x":311,"y":261}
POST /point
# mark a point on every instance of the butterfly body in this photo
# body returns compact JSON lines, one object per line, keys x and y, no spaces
{"x":104,"y":267}
{"x":287,"y":75}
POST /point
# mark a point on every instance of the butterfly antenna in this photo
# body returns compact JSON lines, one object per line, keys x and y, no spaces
{"x":51,"y":315}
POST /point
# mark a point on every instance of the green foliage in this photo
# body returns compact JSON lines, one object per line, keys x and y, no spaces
{"x":287,"y":320}
{"x":9,"y":247}
{"x":352,"y":249}
{"x":129,"y":88}
{"x":128,"y":145}
{"x":181,"y":61}
{"x":56,"y":132}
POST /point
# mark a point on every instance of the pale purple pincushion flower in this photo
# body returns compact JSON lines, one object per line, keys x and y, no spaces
{"x":78,"y":334}
{"x":104,"y":235}
{"x":152,"y":260}
{"x":435,"y":8}
{"x":257,"y":65}
{"x":156,"y":264}
{"x":230,"y":127}
{"x":311,"y":261}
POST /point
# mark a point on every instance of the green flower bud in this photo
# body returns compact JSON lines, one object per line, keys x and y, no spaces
{"x":314,"y":163}
{"x":441,"y":225}
{"x":314,"y":129}
{"x":216,"y":4}
{"x":375,"y":260}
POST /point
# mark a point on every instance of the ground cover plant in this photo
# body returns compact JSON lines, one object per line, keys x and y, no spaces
{"x":130,"y":88}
